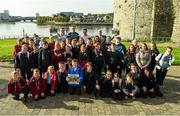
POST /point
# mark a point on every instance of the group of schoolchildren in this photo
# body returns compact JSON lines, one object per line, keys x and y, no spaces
{"x":71,"y":63}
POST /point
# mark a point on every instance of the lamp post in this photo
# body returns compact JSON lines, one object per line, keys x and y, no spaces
{"x":134,"y":20}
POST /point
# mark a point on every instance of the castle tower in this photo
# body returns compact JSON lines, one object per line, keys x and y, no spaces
{"x":123,"y":18}
{"x":154,"y":19}
{"x":176,"y":27}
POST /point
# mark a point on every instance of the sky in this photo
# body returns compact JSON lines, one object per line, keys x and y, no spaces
{"x":49,"y":7}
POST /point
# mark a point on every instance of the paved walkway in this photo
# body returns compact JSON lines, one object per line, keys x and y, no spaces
{"x":87,"y":105}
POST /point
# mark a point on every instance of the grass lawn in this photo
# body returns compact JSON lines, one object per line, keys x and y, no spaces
{"x":6,"y":49}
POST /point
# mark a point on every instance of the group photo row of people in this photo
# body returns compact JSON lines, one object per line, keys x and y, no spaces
{"x":90,"y":64}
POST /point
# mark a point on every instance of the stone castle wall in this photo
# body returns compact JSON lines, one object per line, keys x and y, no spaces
{"x":154,"y":18}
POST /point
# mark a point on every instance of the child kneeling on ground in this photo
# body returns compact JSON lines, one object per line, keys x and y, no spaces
{"x":104,"y":86}
{"x":17,"y":85}
{"x":149,"y":86}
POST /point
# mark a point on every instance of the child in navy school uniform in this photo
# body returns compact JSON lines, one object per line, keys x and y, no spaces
{"x":130,"y":89}
{"x":44,"y":57}
{"x":34,"y":55}
{"x":74,"y":48}
{"x":104,"y":85}
{"x":117,"y":93}
{"x":62,"y":84}
{"x":89,"y":80}
{"x":67,"y":53}
{"x":149,"y":86}
{"x":98,"y":60}
{"x":112,"y":59}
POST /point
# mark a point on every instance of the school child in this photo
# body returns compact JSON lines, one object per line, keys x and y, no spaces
{"x":98,"y":60}
{"x":42,"y":40}
{"x":51,"y":42}
{"x":143,"y":57}
{"x":58,"y":55}
{"x":96,"y":40}
{"x":17,"y":85}
{"x":81,"y":42}
{"x":117,"y":93}
{"x":75,"y":78}
{"x":130,"y":57}
{"x":130,"y":89}
{"x":30,"y":45}
{"x":17,"y":47}
{"x":50,"y":79}
{"x":24,"y":62}
{"x":26,"y":40}
{"x":112,"y":59}
{"x":34,"y":55}
{"x":154,"y":53}
{"x":68,"y":63}
{"x":121,"y":51}
{"x":104,"y":85}
{"x":90,"y":47}
{"x":164,"y":61}
{"x":36,"y":39}
{"x":62,"y":84}
{"x":83,"y":56}
{"x":89,"y":81}
{"x":37,"y":85}
{"x":68,"y":42}
{"x":67,"y":54}
{"x":136,"y":46}
{"x":74,"y":48}
{"x":149,"y":87}
{"x":44,"y":58}
{"x":136,"y":74}
{"x":108,"y":43}
{"x":62,"y":46}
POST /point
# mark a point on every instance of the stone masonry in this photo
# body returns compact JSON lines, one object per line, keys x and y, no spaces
{"x":154,"y":18}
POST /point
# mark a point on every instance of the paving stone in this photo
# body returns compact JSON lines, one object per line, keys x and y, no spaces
{"x":86,"y":105}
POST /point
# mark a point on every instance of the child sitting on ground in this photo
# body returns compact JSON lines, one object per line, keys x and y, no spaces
{"x":129,"y":87}
{"x":117,"y":87}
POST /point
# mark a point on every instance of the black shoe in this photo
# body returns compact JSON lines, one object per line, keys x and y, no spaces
{"x":159,"y":93}
{"x":16,"y":97}
{"x":144,"y":95}
{"x":152,"y":94}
